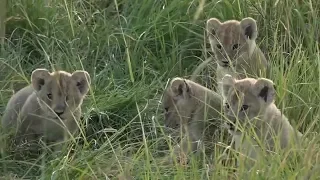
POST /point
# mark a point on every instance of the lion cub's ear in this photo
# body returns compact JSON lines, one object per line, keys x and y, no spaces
{"x":249,"y":28}
{"x":264,"y":89}
{"x":38,"y":78}
{"x":180,"y":88}
{"x":227,"y":82}
{"x":83,"y":81}
{"x":212,"y":25}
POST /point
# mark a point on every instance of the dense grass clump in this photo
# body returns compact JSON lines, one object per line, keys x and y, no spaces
{"x":131,"y":48}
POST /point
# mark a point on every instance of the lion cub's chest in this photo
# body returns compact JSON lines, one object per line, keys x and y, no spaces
{"x":51,"y":128}
{"x":55,"y":128}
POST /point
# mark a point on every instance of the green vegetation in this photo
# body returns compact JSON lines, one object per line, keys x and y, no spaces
{"x":131,"y":48}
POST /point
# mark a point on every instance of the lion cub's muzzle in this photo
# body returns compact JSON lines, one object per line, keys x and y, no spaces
{"x":230,"y":126}
{"x":224,"y":63}
{"x":59,"y":109}
{"x":230,"y":122}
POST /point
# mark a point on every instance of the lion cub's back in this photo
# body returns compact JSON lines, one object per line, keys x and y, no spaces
{"x":14,"y":105}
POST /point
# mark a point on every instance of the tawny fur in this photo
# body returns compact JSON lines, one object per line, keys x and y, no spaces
{"x":233,"y":44}
{"x":49,"y":108}
{"x":249,"y":105}
{"x":193,"y":109}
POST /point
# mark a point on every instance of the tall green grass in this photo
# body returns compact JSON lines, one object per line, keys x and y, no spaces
{"x":131,"y":48}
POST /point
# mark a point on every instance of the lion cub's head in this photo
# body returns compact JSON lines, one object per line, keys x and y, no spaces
{"x":231,"y":39}
{"x":246,"y":99}
{"x":178,"y":103}
{"x":60,"y":93}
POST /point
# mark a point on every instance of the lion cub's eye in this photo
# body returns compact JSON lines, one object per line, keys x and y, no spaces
{"x":219,"y":46}
{"x":235,"y":46}
{"x":244,"y":107}
{"x":49,"y":96}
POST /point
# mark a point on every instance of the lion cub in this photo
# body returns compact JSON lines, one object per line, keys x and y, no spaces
{"x":249,"y":105}
{"x":234,"y":47}
{"x":189,"y":107}
{"x":48,"y":108}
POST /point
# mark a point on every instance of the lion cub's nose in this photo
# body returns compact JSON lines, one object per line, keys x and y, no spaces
{"x":59,"y":110}
{"x":225,"y":63}
{"x":59,"y":113}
